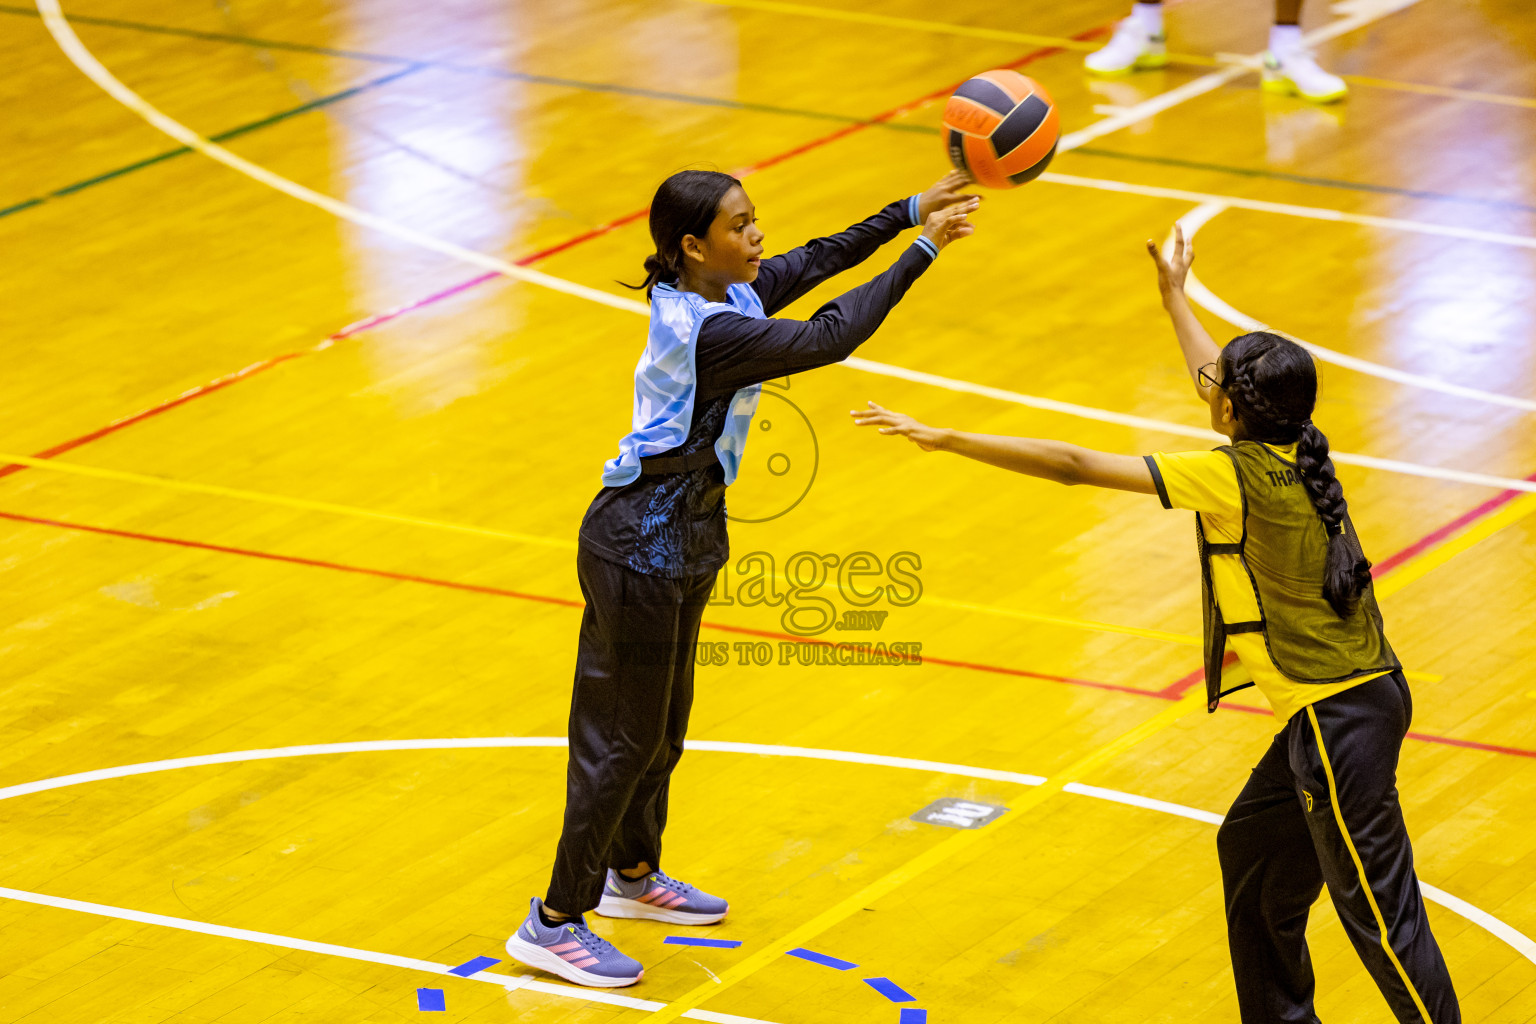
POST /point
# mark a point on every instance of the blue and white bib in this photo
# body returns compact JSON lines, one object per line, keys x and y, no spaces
{"x":666,"y":382}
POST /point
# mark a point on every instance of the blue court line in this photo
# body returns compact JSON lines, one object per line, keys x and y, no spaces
{"x":892,"y":991}
{"x":430,"y":999}
{"x":682,"y":940}
{"x":914,"y":1017}
{"x":822,"y":958}
{"x":474,"y":966}
{"x":225,"y":136}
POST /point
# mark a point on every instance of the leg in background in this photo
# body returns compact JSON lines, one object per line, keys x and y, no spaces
{"x":620,"y":709}
{"x":639,"y":836}
{"x":1271,"y":878}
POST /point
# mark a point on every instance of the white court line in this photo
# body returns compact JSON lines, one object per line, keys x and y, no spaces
{"x":1358,"y":14}
{"x":1363,"y":11}
{"x":510,"y":982}
{"x":1089,"y":412}
{"x":1203,"y":296}
{"x":1292,"y":210}
{"x":1521,"y":943}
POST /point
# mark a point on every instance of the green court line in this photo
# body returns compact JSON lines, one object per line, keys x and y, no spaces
{"x":695,"y":99}
{"x":138,"y":165}
{"x":412,"y":64}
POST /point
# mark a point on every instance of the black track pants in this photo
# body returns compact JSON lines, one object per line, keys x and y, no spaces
{"x":1321,"y":809}
{"x":629,"y":712}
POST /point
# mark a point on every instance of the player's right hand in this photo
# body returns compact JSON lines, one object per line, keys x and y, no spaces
{"x":1172,"y":271}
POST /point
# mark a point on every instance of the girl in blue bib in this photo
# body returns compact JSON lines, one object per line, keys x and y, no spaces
{"x":654,"y":537}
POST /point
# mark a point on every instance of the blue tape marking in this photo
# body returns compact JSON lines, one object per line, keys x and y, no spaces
{"x":679,"y":940}
{"x":914,"y":1017}
{"x":822,"y":958}
{"x":430,"y":999}
{"x":474,"y":966}
{"x":892,"y":991}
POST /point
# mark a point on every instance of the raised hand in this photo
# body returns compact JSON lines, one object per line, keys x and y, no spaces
{"x":947,"y":191}
{"x":890,"y":422}
{"x":945,"y":225}
{"x":1172,"y":271}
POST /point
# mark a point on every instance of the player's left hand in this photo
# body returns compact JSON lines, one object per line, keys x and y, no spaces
{"x":947,"y":191}
{"x":890,"y":422}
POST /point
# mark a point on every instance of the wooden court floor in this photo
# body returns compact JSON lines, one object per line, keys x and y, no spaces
{"x":307,"y":485}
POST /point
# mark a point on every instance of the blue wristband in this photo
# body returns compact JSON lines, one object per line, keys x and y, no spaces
{"x":924,"y":243}
{"x":912,"y":209}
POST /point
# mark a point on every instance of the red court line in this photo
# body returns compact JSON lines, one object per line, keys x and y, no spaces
{"x":127,"y":421}
{"x":476,"y":588}
{"x":378,"y":319}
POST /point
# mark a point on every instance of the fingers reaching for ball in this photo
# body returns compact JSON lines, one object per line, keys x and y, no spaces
{"x":946,"y":225}
{"x":947,"y":191}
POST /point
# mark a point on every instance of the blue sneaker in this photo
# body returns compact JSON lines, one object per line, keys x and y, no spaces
{"x":656,"y":897}
{"x":572,"y":951}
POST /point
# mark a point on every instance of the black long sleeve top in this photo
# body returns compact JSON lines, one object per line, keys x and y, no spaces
{"x":674,"y":524}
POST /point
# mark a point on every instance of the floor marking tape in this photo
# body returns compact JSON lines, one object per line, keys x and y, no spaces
{"x":1521,"y":943}
{"x":1203,"y":296}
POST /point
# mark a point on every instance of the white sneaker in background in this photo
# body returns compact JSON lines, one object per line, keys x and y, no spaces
{"x":1289,"y":67}
{"x":1138,"y":44}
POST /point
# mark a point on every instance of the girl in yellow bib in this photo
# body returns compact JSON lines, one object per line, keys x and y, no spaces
{"x":1287,"y":588}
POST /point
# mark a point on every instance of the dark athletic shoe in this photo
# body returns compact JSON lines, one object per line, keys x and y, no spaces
{"x":572,"y":951}
{"x":656,"y":897}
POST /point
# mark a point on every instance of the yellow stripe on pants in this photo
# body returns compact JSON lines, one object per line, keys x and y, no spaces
{"x":1370,"y":897}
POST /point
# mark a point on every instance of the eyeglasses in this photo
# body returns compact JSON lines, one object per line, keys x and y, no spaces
{"x":1207,"y":375}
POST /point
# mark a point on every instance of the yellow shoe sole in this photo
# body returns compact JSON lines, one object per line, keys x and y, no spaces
{"x":1150,"y":62}
{"x":1285,"y":87}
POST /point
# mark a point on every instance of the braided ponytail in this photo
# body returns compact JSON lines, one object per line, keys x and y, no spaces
{"x":1272,"y":383}
{"x":1348,"y":572}
{"x":685,"y":204}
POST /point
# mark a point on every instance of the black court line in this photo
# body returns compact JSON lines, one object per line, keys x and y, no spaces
{"x":138,"y":165}
{"x":712,"y":101}
{"x":695,"y":99}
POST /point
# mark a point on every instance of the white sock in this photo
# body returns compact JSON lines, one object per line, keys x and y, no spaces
{"x":1284,"y":39}
{"x":1149,"y":17}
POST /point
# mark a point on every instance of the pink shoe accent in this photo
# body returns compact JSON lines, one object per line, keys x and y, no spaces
{"x":564,"y":946}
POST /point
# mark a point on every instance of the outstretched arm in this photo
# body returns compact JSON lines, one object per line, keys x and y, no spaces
{"x":735,"y":351}
{"x":783,"y":279}
{"x":1194,"y":340}
{"x":1050,"y":460}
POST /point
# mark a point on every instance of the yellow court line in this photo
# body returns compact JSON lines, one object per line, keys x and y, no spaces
{"x":930,"y":858}
{"x":310,"y":505}
{"x":306,"y":504}
{"x":1444,"y":91}
{"x":1063,"y":43}
{"x":1435,"y":557}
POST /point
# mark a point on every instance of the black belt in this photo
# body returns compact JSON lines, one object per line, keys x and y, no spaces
{"x":678,"y":463}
